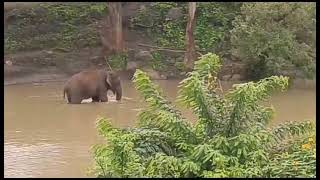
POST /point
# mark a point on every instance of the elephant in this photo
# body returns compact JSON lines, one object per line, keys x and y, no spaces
{"x":92,"y":84}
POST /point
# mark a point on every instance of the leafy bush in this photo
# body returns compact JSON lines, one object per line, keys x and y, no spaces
{"x":57,"y":25}
{"x":166,"y":33}
{"x":276,"y":38}
{"x":181,"y":66}
{"x":211,"y":32}
{"x":212,"y":21}
{"x":299,"y":162}
{"x":230,"y":138}
{"x":158,"y":62}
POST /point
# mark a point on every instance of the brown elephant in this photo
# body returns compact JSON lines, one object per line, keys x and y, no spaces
{"x":92,"y":84}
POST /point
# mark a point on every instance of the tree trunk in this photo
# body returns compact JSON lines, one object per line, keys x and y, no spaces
{"x":112,"y":36}
{"x":190,"y":55}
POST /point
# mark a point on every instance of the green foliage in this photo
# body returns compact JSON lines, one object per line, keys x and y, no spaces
{"x":158,"y":62}
{"x":163,"y":62}
{"x":300,"y":161}
{"x":212,"y":21}
{"x":81,"y":13}
{"x":166,"y":118}
{"x":230,"y":138}
{"x":166,"y":33}
{"x":172,"y":34}
{"x":68,"y":26}
{"x":163,"y":166}
{"x":275,"y":38}
{"x":245,"y":98}
{"x":118,"y":61}
{"x":180,"y":66}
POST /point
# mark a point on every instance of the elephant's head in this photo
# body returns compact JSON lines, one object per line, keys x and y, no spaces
{"x":114,"y":84}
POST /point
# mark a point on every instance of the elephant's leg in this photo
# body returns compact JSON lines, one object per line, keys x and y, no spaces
{"x":75,"y":100}
{"x":69,"y":97}
{"x":103,"y":97}
{"x":95,"y":99}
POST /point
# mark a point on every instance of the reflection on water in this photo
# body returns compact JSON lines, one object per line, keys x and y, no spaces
{"x":45,"y":137}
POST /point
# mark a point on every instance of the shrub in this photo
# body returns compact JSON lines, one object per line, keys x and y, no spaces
{"x":276,"y":38}
{"x":158,"y":62}
{"x":213,"y":20}
{"x":59,"y":25}
{"x":229,"y":139}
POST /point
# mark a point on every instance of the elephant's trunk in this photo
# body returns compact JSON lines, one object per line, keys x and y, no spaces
{"x":118,"y":93}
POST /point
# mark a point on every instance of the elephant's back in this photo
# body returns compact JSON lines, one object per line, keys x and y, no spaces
{"x":85,"y":81}
{"x":85,"y":76}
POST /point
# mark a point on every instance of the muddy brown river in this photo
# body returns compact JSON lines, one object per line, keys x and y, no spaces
{"x":45,"y":137}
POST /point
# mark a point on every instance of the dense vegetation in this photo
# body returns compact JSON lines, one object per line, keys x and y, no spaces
{"x":229,"y":139}
{"x":270,"y":38}
{"x":60,"y":26}
{"x":276,"y":38}
{"x":213,"y":22}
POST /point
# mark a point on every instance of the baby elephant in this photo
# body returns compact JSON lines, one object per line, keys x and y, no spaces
{"x":92,"y":84}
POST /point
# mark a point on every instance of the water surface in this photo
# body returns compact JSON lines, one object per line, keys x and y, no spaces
{"x":45,"y":137}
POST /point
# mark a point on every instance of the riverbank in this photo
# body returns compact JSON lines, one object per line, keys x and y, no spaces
{"x":14,"y":75}
{"x":57,"y":66}
{"x":45,"y":42}
{"x":50,"y":42}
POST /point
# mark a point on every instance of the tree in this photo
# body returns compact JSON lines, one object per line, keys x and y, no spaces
{"x":112,"y":36}
{"x":230,"y":138}
{"x":190,"y":55}
{"x":276,"y":38}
